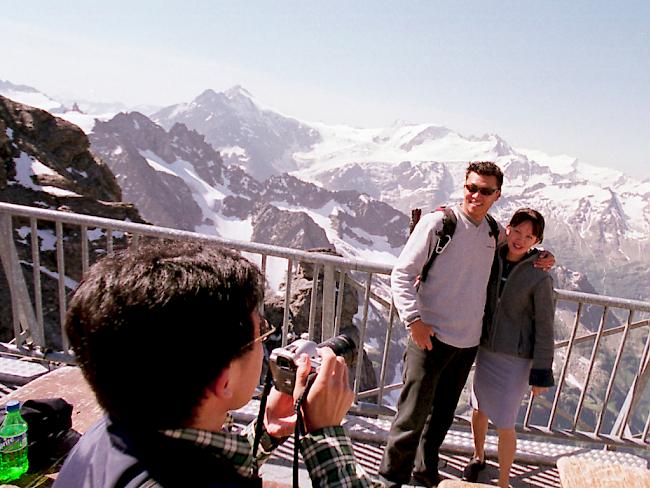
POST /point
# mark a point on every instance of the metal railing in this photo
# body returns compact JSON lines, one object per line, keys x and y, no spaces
{"x":602,"y":343}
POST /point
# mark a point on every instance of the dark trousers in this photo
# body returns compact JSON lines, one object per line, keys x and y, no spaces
{"x":433,"y":382}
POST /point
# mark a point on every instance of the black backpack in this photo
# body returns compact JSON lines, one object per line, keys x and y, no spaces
{"x":445,"y":233}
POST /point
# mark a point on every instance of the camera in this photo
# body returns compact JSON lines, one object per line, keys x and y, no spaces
{"x":283,"y":359}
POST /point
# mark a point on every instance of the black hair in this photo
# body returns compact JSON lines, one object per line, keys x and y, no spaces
{"x":153,"y":327}
{"x":529,"y":215}
{"x":485,"y":168}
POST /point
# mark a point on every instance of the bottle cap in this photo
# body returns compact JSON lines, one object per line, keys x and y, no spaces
{"x":12,"y":406}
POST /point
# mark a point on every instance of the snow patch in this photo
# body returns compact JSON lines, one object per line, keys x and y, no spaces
{"x":47,"y":237}
{"x":27,"y":167}
{"x":234,"y":151}
{"x":70,"y":284}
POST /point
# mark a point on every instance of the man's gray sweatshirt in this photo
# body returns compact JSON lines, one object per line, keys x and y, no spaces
{"x":452,"y":299}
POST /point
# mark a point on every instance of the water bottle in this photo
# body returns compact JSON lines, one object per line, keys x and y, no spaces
{"x":13,"y":444}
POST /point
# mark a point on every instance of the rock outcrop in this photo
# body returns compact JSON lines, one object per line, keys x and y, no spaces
{"x":45,"y":162}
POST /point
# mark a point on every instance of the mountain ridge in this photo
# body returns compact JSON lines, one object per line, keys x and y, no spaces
{"x":591,"y":211}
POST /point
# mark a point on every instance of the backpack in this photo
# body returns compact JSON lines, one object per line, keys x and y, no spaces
{"x":445,"y":234}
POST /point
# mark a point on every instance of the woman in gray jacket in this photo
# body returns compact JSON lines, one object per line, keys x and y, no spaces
{"x":517,"y":342}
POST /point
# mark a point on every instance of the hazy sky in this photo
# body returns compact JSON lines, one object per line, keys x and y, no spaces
{"x":562,"y":77}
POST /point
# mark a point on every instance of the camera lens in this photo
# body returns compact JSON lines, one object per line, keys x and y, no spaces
{"x":343,"y":346}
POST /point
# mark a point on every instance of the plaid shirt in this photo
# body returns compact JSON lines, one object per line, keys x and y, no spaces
{"x":327,"y":453}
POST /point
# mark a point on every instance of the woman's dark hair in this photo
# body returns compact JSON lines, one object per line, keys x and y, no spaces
{"x":153,"y":327}
{"x":534,"y":217}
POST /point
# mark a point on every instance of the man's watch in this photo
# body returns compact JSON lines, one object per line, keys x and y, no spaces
{"x":269,"y":443}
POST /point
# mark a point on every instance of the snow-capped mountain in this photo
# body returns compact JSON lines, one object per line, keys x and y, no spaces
{"x":176,"y":179}
{"x":591,"y":211}
{"x":83,"y":114}
{"x":259,"y":140}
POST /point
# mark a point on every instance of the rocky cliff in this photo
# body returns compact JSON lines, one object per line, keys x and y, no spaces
{"x":45,"y":162}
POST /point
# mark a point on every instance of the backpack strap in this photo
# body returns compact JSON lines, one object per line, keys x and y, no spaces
{"x":494,"y":229}
{"x":445,"y":234}
{"x":449,"y":221}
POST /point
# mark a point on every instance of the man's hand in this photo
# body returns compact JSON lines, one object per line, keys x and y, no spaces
{"x":279,"y":418}
{"x":545,"y":261}
{"x":330,"y":396}
{"x":421,"y":334}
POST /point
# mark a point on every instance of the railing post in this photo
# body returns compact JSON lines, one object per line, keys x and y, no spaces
{"x":329,"y":299}
{"x":590,"y":367}
{"x":24,"y":318}
{"x":384,"y":357}
{"x":36,"y":274}
{"x":287,"y":301}
{"x":638,"y":385}
{"x":362,"y":335}
{"x":312,"y":301}
{"x":565,"y":366}
{"x":84,"y":250}
{"x":60,"y":269}
{"x":612,"y":376}
{"x":340,"y":294}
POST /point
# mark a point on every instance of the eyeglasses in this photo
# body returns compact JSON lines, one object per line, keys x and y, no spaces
{"x":266,"y":331}
{"x":483,"y":190}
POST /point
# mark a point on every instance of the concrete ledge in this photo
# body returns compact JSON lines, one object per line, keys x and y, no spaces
{"x":580,"y":471}
{"x":69,"y":384}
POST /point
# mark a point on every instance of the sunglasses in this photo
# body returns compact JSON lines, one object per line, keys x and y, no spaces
{"x":483,"y":190}
{"x":266,"y":331}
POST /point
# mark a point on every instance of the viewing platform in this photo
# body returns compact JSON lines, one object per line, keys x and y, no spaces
{"x":599,"y":410}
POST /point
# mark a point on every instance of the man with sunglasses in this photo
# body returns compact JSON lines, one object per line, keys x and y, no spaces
{"x":169,"y":336}
{"x":444,"y":316}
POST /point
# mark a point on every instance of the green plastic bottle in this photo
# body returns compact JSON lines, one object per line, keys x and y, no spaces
{"x":13,"y":444}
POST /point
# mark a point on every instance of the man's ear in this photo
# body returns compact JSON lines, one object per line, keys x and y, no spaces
{"x":222,"y":387}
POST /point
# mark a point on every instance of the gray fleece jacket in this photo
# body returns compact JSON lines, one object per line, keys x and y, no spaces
{"x":452,"y":299}
{"x":520,"y":321}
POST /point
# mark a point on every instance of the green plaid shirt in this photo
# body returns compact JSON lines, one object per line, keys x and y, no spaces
{"x":327,"y":453}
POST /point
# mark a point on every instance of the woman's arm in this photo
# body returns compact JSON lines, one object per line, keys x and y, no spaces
{"x":541,"y":373}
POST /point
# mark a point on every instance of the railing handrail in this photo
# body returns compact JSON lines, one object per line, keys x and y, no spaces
{"x":276,"y":251}
{"x":168,"y":232}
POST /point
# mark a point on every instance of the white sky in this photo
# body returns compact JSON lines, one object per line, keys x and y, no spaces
{"x":562,"y":77}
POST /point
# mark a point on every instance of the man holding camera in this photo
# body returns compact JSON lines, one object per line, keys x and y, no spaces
{"x":444,"y":316}
{"x":169,"y":336}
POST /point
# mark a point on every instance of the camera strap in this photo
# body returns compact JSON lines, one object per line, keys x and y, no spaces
{"x":299,"y":429}
{"x":300,"y":426}
{"x":268,"y":382}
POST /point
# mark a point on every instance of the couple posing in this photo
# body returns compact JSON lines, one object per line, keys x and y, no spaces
{"x":483,"y":289}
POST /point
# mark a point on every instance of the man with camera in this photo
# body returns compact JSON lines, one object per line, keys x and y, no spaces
{"x":444,"y":315}
{"x":169,"y":336}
